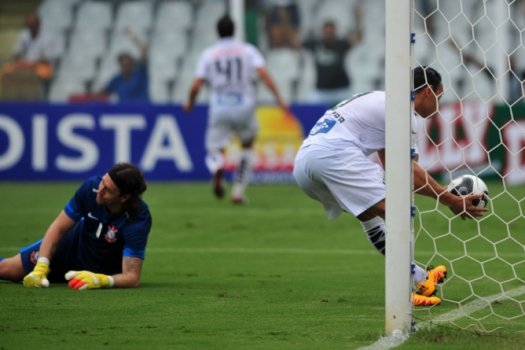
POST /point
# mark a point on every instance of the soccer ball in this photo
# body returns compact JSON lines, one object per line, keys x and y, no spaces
{"x":470,"y":184}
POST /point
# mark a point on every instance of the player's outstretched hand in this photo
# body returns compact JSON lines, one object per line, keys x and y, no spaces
{"x":81,"y":280}
{"x":187,"y":107}
{"x":465,"y":207}
{"x":38,"y":277}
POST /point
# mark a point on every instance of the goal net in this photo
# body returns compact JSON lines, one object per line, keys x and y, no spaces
{"x":478,"y":46}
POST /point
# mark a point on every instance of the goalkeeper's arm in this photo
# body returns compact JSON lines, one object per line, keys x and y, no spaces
{"x":58,"y":228}
{"x":131,"y":271}
{"x":130,"y":277}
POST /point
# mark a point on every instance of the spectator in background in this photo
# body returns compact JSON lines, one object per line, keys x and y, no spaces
{"x":515,"y":75}
{"x":329,"y":52}
{"x":132,"y":82}
{"x":282,"y":22}
{"x":34,"y":51}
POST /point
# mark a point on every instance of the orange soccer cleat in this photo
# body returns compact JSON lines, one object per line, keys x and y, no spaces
{"x":435,"y":275}
{"x":421,"y":300}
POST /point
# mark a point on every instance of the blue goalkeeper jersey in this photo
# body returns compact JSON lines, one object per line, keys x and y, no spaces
{"x":99,"y":239}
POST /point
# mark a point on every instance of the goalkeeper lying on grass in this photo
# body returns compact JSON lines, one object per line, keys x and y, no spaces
{"x":97,"y":241}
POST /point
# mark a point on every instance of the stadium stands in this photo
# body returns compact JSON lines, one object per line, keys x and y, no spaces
{"x":88,"y":35}
{"x":176,"y":33}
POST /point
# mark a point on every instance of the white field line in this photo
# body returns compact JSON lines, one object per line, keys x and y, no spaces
{"x":394,"y":340}
{"x":472,"y":307}
{"x":265,"y":251}
{"x":388,"y":342}
{"x":240,"y":250}
{"x":299,"y":251}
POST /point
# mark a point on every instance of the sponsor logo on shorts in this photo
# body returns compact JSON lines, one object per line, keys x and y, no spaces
{"x":34,"y":257}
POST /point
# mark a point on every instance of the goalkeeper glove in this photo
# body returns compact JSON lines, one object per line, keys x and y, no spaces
{"x":81,"y":280}
{"x":38,"y":277}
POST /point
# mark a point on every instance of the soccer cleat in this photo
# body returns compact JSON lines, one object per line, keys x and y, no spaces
{"x":426,"y":288}
{"x":239,"y":200}
{"x":422,"y":300}
{"x":435,"y":275}
{"x":218,"y":185}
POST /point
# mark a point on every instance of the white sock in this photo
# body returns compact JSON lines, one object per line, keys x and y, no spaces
{"x":419,"y":273}
{"x":243,"y":173}
{"x":375,"y":232}
{"x":214,"y":160}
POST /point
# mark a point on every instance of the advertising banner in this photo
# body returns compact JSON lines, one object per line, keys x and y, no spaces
{"x":71,"y":142}
{"x":475,"y":137}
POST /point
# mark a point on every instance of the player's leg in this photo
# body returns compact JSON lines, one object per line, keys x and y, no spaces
{"x":215,"y":163}
{"x":12,"y":268}
{"x":246,"y":128}
{"x":306,"y":173}
{"x":243,"y":173}
{"x":354,"y":188}
{"x":425,"y":280}
{"x":218,"y":135}
{"x":16,"y":267}
{"x":374,"y":227}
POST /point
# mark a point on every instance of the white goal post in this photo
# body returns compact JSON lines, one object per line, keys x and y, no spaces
{"x":398,"y":172}
{"x":477,"y":46}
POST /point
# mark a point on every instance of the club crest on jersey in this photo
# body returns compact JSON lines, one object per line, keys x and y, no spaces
{"x":111,"y":234}
{"x":322,"y":126}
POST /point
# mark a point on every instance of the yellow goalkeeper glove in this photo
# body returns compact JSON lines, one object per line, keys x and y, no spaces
{"x":81,"y":280}
{"x":38,"y":277}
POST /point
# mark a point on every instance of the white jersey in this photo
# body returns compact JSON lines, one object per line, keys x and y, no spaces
{"x":34,"y":49}
{"x":359,"y":120}
{"x":229,"y":67}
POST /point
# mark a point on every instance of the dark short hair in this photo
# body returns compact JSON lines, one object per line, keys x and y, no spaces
{"x":225,"y":26}
{"x":125,"y":55}
{"x":130,"y":181}
{"x":329,"y":23}
{"x":424,"y":76}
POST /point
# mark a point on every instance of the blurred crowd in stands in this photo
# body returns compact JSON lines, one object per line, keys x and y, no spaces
{"x":318,"y":51}
{"x":139,"y":61}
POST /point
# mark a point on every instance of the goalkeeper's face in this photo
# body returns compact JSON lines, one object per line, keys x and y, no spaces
{"x":108,"y":193}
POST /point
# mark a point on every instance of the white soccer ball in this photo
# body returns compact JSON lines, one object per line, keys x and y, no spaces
{"x":470,"y":184}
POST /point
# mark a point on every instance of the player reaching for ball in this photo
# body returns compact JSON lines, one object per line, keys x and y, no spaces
{"x":333,"y":167}
{"x":228,"y":66}
{"x":97,"y":241}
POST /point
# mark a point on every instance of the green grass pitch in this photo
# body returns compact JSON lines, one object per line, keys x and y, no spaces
{"x":275,"y":274}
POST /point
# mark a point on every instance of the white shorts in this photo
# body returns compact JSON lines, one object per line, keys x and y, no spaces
{"x":341,"y":179}
{"x":223,"y":124}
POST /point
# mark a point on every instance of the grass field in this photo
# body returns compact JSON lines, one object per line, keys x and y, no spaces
{"x":275,"y":274}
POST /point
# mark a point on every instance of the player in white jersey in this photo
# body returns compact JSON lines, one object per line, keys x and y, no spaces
{"x":334,"y":167}
{"x":229,"y":66}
